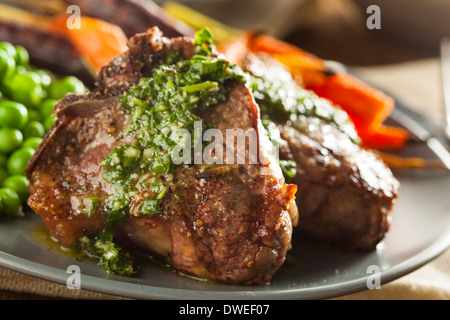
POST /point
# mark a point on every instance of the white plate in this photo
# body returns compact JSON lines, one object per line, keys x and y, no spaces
{"x":420,"y":232}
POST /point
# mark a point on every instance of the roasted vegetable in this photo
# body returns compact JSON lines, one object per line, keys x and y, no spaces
{"x":40,"y":26}
{"x":97,"y":41}
{"x":367,"y":107}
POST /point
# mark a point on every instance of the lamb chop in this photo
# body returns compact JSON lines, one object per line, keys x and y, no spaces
{"x":346,"y":193}
{"x":103,"y":175}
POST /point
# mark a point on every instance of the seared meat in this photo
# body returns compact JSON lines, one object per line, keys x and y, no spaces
{"x":345,"y":193}
{"x":231,"y":225}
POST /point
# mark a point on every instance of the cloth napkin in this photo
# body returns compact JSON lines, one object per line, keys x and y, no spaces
{"x":418,"y":84}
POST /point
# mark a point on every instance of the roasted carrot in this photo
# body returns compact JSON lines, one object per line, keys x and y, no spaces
{"x":367,"y":107}
{"x":96,"y":41}
{"x":383,"y":137}
{"x":371,"y":106}
{"x":274,"y":46}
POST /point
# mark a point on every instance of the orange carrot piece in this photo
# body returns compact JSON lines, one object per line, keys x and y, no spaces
{"x":272,"y":46}
{"x":353,"y":95}
{"x":384,"y":137}
{"x":369,"y":105}
{"x":302,"y":70}
{"x":97,"y":41}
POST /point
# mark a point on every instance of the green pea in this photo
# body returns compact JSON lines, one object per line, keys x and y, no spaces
{"x":18,"y":183}
{"x":10,"y":139}
{"x":13,"y":114}
{"x":3,"y":175}
{"x":8,"y":48}
{"x":22,"y":56}
{"x":34,"y":74}
{"x":3,"y":160}
{"x":32,"y":142}
{"x":69,"y":84}
{"x":48,"y":122}
{"x":33,"y":129}
{"x":7,"y":66}
{"x":11,"y":201}
{"x":21,"y":69}
{"x":46,"y":107}
{"x":46,"y":78}
{"x":18,"y":160}
{"x":26,"y":88}
{"x":35,"y":115}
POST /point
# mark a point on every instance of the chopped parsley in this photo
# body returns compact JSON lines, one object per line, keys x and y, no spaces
{"x":159,"y":107}
{"x":283,"y":101}
{"x":286,"y":102}
{"x":113,"y":258}
{"x":141,"y":173}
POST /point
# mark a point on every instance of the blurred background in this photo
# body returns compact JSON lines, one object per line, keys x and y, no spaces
{"x":331,"y":29}
{"x":336,"y":29}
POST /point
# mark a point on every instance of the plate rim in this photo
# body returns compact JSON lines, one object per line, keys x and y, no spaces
{"x":125,"y":289}
{"x":143,"y":291}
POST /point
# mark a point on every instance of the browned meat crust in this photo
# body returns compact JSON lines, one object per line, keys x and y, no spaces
{"x":234,"y":226}
{"x":345,"y":193}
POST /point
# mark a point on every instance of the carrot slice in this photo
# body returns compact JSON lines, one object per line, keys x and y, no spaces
{"x":274,"y":46}
{"x":383,"y":137}
{"x":97,"y":41}
{"x":371,"y":107}
{"x":366,"y":106}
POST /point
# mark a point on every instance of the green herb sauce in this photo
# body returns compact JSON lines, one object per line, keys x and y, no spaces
{"x":141,"y":173}
{"x":159,"y":106}
{"x":283,"y":101}
{"x":286,"y":102}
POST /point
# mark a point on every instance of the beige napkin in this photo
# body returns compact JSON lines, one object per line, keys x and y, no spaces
{"x":17,"y":286}
{"x":418,"y":84}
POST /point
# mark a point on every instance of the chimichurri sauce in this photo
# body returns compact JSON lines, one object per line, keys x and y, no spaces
{"x":159,"y":106}
{"x":287,"y":102}
{"x":141,"y":173}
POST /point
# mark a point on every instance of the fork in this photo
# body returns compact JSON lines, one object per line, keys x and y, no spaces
{"x":445,"y":66}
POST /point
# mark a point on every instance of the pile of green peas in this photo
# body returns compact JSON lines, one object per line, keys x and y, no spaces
{"x":27,"y":98}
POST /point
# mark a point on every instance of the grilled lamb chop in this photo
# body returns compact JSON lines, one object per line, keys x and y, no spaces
{"x":345,"y":193}
{"x":231,"y":224}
